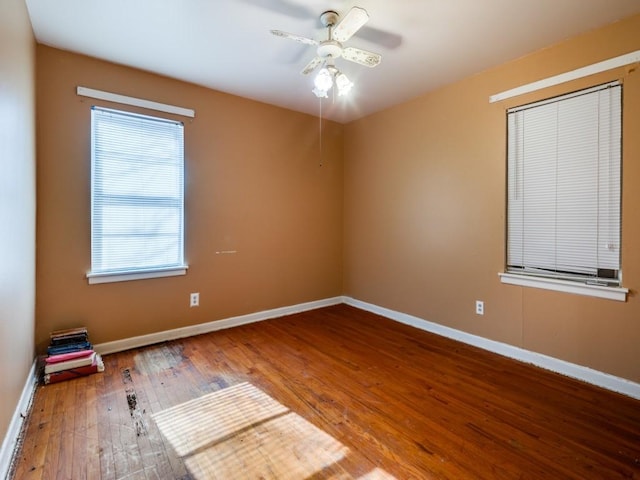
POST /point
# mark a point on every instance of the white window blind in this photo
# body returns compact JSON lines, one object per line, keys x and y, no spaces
{"x":137,"y":193}
{"x":563,"y":205}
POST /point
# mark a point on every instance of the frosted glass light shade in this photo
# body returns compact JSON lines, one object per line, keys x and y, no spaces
{"x":323,"y":83}
{"x":344,"y":84}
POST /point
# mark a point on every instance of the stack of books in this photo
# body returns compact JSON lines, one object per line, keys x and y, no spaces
{"x":70,"y":355}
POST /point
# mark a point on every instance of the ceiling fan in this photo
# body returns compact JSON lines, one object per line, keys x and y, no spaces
{"x":338,"y":32}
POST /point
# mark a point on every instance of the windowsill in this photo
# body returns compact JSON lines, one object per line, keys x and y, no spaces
{"x":611,"y":293}
{"x":135,"y":275}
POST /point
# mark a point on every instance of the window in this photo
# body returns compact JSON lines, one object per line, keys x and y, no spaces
{"x":137,"y":196}
{"x":563,"y":177}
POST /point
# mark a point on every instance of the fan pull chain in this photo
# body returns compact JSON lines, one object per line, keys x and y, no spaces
{"x":320,"y":130}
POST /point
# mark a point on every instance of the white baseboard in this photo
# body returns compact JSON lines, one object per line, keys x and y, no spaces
{"x":13,"y":432}
{"x":568,"y":369}
{"x":150,"y":339}
{"x":594,"y":377}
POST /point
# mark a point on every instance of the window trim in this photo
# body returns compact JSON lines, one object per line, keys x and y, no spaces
{"x":142,"y":273}
{"x":593,"y":287}
{"x":568,"y":286}
{"x":129,"y":275}
{"x":135,"y":102}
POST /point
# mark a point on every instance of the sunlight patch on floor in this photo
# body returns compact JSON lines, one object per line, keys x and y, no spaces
{"x":377,"y":474}
{"x":241,"y":432}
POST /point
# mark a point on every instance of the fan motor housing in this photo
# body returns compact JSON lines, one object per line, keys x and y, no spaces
{"x":329,"y":18}
{"x":330,"y":48}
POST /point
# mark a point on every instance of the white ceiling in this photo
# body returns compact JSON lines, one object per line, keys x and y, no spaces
{"x":226,"y":44}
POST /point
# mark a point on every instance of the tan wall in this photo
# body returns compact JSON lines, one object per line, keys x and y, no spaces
{"x":425,"y":212}
{"x":17,"y":204}
{"x":254,"y":184}
{"x":424,"y":200}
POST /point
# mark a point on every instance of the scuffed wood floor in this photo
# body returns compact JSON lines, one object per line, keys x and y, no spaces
{"x":335,"y":393}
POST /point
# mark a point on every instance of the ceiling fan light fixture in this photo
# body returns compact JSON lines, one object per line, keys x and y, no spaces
{"x":327,"y":51}
{"x":323,"y":83}
{"x":325,"y":79}
{"x":343,"y":83}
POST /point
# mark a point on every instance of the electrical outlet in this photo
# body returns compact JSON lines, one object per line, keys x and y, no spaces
{"x":194,"y":300}
{"x":479,"y":307}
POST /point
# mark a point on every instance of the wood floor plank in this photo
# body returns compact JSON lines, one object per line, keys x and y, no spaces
{"x":150,"y":442}
{"x":67,"y":411}
{"x":130,"y":462}
{"x":149,"y":364}
{"x":33,"y":456}
{"x":105,"y":444}
{"x":78,"y":457}
{"x":375,"y":399}
{"x":56,"y":436}
{"x":92,"y":445}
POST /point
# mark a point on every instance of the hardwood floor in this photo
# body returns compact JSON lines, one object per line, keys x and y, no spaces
{"x":336,"y":393}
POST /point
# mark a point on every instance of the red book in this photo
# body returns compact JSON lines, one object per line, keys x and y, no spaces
{"x":96,"y":366}
{"x":63,"y":357}
{"x":56,"y":377}
{"x":70,"y":364}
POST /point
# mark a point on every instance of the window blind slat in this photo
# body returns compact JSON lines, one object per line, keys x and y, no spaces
{"x":563,"y":204}
{"x":137,"y":192}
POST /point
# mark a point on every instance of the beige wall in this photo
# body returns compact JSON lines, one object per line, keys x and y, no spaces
{"x":254,"y":184}
{"x":17,"y":204}
{"x":425,"y":212}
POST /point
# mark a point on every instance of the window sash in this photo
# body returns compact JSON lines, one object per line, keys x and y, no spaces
{"x":563,"y":205}
{"x":137,"y":192}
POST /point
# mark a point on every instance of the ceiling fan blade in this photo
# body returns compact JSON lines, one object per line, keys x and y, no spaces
{"x":311,"y":66}
{"x":297,"y":38}
{"x":368,"y":59}
{"x":350,"y":24}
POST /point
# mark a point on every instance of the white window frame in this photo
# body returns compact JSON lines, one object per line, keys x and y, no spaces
{"x":176,"y":266}
{"x":524,"y":271}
